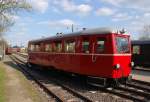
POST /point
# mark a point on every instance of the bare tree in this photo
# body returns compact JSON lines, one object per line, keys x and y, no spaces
{"x":145,"y":33}
{"x":8,"y":8}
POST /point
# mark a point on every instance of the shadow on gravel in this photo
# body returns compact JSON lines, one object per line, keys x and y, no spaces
{"x":77,"y":83}
{"x":14,"y":66}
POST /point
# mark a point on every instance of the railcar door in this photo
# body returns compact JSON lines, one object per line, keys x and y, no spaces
{"x":98,"y":47}
{"x":101,"y":58}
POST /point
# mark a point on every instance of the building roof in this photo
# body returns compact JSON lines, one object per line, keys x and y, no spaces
{"x":103,"y":30}
{"x":140,"y":42}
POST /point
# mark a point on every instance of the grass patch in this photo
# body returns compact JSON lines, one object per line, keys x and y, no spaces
{"x":31,"y":90}
{"x":2,"y":84}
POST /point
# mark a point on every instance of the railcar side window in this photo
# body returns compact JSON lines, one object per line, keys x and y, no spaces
{"x":58,"y":47}
{"x":31,"y":48}
{"x":48,"y":48}
{"x":85,"y":46}
{"x":70,"y":46}
{"x":37,"y":47}
{"x":136,"y":49}
{"x":100,"y":45}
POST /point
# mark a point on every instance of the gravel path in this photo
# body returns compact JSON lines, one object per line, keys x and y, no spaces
{"x":18,"y":88}
{"x":141,"y":75}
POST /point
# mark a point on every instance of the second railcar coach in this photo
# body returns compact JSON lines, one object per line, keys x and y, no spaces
{"x":141,"y":52}
{"x":99,"y":53}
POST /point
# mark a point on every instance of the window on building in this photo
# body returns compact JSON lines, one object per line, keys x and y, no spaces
{"x":58,"y":47}
{"x":100,"y":45}
{"x":85,"y":46}
{"x":136,"y":49}
{"x":48,"y":48}
{"x":70,"y":46}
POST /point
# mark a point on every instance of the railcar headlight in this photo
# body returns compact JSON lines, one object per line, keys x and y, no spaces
{"x":117,"y":66}
{"x":132,"y":64}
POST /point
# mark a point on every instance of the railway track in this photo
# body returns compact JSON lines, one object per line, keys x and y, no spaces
{"x":136,"y":94}
{"x":58,"y":91}
{"x":136,"y":90}
{"x":142,"y":69}
{"x":22,"y":55}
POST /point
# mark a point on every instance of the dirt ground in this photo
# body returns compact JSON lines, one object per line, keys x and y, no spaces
{"x":141,"y":75}
{"x":18,"y":87}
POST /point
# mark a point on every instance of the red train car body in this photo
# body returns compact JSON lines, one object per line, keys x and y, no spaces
{"x":10,"y":50}
{"x":98,"y":53}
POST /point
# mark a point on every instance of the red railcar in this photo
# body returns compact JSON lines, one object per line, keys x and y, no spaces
{"x":100,"y":53}
{"x":10,"y":50}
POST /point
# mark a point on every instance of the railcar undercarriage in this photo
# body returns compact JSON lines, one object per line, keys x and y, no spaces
{"x":108,"y":82}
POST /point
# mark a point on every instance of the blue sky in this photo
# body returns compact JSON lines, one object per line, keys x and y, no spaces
{"x":51,"y":16}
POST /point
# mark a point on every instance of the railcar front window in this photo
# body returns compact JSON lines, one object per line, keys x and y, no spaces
{"x":122,"y":45}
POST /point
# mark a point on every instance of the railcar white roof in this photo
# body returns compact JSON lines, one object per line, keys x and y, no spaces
{"x":96,"y":31}
{"x":102,"y":30}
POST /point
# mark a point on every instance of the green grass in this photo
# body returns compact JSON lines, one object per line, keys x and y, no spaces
{"x":2,"y":84}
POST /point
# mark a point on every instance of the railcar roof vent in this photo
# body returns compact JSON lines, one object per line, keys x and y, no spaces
{"x":84,"y":28}
{"x":123,"y":31}
{"x":59,"y":34}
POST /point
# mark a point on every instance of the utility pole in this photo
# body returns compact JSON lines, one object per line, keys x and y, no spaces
{"x":72,"y":27}
{"x":4,"y":48}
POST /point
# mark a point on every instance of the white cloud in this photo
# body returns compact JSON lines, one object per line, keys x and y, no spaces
{"x":56,"y":10}
{"x":105,"y":11}
{"x":147,"y":14}
{"x":70,"y":6}
{"x":40,"y":5}
{"x":121,"y":17}
{"x":43,"y":22}
{"x":135,"y":4}
{"x":66,"y":22}
{"x":84,"y":8}
{"x":59,"y":23}
{"x":15,"y":17}
{"x":113,"y":2}
{"x":20,"y":33}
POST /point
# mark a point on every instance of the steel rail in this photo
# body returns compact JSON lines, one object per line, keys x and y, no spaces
{"x":50,"y":93}
{"x":141,"y":82}
{"x":85,"y":99}
{"x":22,"y":55}
{"x":135,"y":91}
{"x":138,"y":86}
{"x":142,"y":69}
